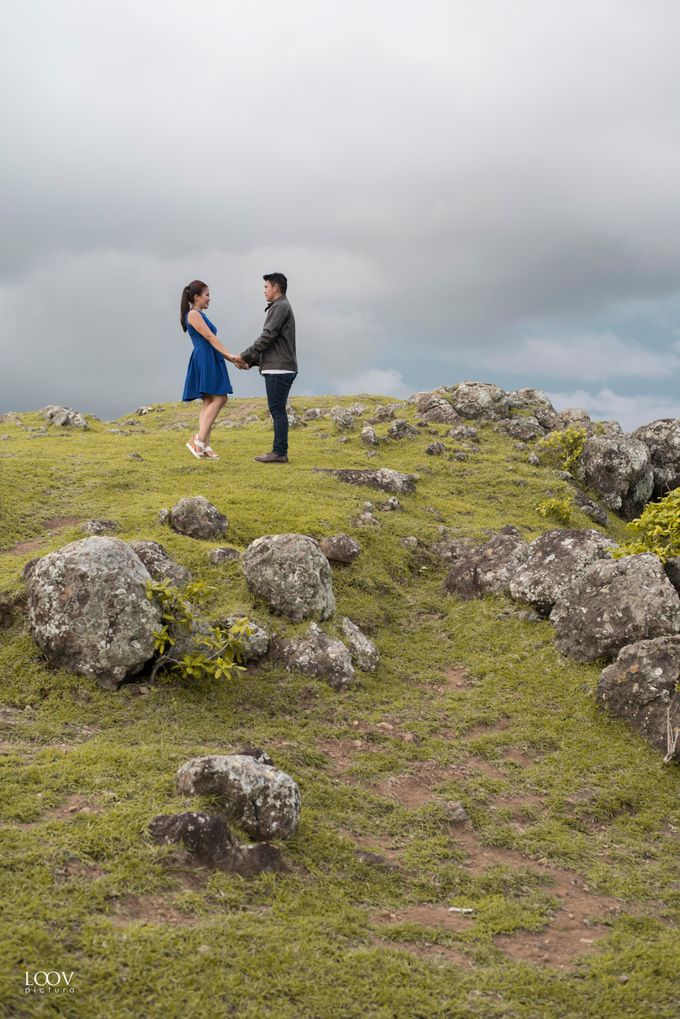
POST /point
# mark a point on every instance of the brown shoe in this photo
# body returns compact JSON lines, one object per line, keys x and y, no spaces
{"x":271,"y":458}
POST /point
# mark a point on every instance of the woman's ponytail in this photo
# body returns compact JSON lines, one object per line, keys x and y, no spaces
{"x":189,"y":293}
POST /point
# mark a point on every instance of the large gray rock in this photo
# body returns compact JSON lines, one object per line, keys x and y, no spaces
{"x":209,"y":841}
{"x":198,"y":518}
{"x":88,"y":610}
{"x":63,"y":416}
{"x":340,"y":548}
{"x":160,"y":563}
{"x":401,"y":429}
{"x":316,"y":654}
{"x":433,"y":407}
{"x":292,"y":574}
{"x":552,"y":562}
{"x":264,"y":801}
{"x":343,"y":418}
{"x":524,"y":428}
{"x":614,"y":603}
{"x":619,"y":469}
{"x":662,"y":438}
{"x":383,"y":478}
{"x":487,"y":569}
{"x":480,"y":400}
{"x":641,"y":687}
{"x":364,"y":652}
{"x":537,"y":403}
{"x":672,"y":568}
{"x":369,"y":437}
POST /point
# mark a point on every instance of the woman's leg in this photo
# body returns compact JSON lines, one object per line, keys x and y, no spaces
{"x":206,"y":404}
{"x":208,"y":417}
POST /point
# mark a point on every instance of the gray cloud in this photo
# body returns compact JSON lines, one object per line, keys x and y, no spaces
{"x":453,"y":190}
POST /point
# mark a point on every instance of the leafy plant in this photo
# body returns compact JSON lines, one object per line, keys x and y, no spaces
{"x":211,"y":650}
{"x":559,"y":510}
{"x":657,"y":529}
{"x":562,"y":449}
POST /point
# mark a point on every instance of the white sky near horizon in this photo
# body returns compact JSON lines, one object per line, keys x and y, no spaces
{"x":455,"y":191}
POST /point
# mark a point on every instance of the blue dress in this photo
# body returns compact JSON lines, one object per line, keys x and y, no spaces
{"x":207,"y":372}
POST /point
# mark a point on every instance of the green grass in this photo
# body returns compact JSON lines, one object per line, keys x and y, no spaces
{"x":548,"y":781}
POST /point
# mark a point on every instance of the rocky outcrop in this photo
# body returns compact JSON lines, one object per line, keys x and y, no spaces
{"x":291,"y":573}
{"x":209,"y":842}
{"x":489,"y":568}
{"x":383,"y":478}
{"x":536,"y":403}
{"x":662,"y":439}
{"x":641,"y":686}
{"x":619,"y":469}
{"x":344,"y":419}
{"x":262,"y":800}
{"x":88,"y":609}
{"x":63,"y":416}
{"x":364,"y":652}
{"x":479,"y":400}
{"x":524,"y":428}
{"x":614,"y":603}
{"x":197,"y":518}
{"x":340,"y":548}
{"x":434,"y":408}
{"x":552,"y":562}
{"x":160,"y":563}
{"x":316,"y":654}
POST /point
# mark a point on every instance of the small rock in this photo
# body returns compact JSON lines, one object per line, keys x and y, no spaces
{"x":255,"y":644}
{"x":159,"y":563}
{"x":340,"y":548}
{"x":368,"y":436}
{"x":342,"y":418}
{"x":292,"y":574}
{"x":391,"y":504}
{"x":198,"y":518}
{"x":383,"y":478}
{"x":456,"y":812}
{"x":100,"y":527}
{"x":435,"y":449}
{"x":400,"y":429}
{"x":317,"y":654}
{"x":217,"y":556}
{"x":364,"y":652}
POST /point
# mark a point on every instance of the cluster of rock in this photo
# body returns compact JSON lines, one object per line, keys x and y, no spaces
{"x":601,"y":607}
{"x":89,"y":612}
{"x":63,"y":416}
{"x":625,"y":470}
{"x":253,"y":794}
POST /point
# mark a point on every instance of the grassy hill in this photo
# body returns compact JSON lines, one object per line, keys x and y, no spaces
{"x":569,"y":861}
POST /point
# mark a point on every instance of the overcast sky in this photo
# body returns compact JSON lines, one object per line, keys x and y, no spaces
{"x":455,"y":191}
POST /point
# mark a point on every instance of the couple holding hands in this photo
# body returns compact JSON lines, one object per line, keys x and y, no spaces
{"x":207,"y":376}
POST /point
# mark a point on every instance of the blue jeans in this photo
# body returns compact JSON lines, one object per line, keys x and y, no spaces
{"x":278,"y":388}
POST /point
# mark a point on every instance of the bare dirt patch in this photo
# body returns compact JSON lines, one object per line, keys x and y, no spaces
{"x":74,"y":867}
{"x":416,"y":788}
{"x":426,"y":915}
{"x":148,"y":909}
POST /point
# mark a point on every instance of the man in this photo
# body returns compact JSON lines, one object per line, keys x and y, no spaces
{"x":274,"y":353}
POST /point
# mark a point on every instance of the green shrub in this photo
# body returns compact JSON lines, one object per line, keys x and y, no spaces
{"x":559,"y":510}
{"x":657,"y":529}
{"x":562,"y":449}
{"x":214,"y":651}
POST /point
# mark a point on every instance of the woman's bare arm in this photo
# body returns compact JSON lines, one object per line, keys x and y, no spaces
{"x":198,"y":322}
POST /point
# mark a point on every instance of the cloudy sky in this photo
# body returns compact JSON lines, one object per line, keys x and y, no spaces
{"x":456,"y":191}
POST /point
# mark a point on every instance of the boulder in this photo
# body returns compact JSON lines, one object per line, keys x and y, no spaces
{"x":537,"y":403}
{"x":400,"y":429}
{"x":386,"y":412}
{"x":63,"y":416}
{"x":317,"y":654}
{"x":524,"y":428}
{"x":662,"y":439}
{"x":447,"y":548}
{"x":340,"y":548}
{"x":262,"y":800}
{"x":489,"y":568}
{"x":574,"y":417}
{"x":291,"y":573}
{"x":197,"y":518}
{"x":312,"y":413}
{"x":383,"y":478}
{"x":641,"y":686}
{"x":433,"y":407}
{"x":255,"y":644}
{"x":159,"y":563}
{"x":343,"y":418}
{"x":480,"y":400}
{"x":368,"y":436}
{"x":615,"y":602}
{"x":209,"y":841}
{"x":619,"y":469}
{"x":88,"y":609}
{"x":365,"y":654}
{"x":552,"y":562}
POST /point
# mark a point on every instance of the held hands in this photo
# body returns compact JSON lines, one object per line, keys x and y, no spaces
{"x":240,"y":363}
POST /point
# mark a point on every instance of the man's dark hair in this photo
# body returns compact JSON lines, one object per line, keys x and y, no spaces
{"x":279,"y":279}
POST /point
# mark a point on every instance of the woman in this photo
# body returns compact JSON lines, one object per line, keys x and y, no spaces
{"x":207,"y":374}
